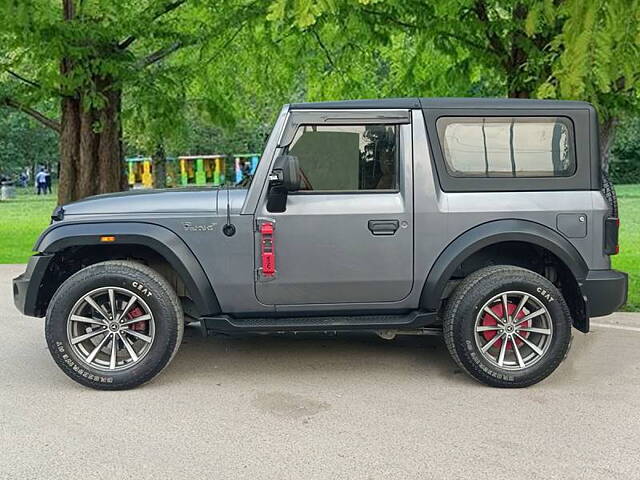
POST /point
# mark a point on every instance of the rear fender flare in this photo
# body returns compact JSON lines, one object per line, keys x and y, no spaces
{"x":492,"y":233}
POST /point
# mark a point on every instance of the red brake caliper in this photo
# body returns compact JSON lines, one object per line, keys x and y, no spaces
{"x":135,"y":313}
{"x":488,"y":320}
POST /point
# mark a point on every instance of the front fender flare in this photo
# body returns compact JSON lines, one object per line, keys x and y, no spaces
{"x":491,"y":233}
{"x":160,"y":239}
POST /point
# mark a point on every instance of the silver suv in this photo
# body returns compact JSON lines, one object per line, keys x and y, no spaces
{"x":485,"y":220}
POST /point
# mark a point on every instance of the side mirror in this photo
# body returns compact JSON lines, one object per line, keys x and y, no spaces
{"x":286,"y":173}
{"x":284,"y":178}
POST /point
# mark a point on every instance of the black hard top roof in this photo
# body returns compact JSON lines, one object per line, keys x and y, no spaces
{"x":445,"y":102}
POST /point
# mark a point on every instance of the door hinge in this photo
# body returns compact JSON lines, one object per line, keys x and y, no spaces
{"x":262,"y":277}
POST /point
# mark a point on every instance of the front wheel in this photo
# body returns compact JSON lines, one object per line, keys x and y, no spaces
{"x":507,"y":326}
{"x":114,"y":325}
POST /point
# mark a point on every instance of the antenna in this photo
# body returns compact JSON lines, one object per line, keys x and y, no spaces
{"x":229,"y":229}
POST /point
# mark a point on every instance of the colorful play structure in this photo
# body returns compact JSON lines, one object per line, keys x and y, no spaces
{"x":194,"y":170}
{"x":139,"y":171}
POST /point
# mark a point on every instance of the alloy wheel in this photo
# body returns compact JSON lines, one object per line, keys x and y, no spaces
{"x":513,"y":330}
{"x":111,"y":328}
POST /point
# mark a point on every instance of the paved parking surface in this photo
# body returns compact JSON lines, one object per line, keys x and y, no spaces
{"x":351,"y":406}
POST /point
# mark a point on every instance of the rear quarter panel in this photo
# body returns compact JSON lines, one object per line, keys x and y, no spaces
{"x":440,"y":217}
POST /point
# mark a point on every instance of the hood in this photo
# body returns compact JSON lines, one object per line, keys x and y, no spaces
{"x":207,"y":200}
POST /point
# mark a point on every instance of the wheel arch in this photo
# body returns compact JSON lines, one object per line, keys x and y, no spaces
{"x":499,"y":232}
{"x":131,"y":236}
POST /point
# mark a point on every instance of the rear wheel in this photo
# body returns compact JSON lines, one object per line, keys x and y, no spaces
{"x":507,"y":326}
{"x":114,"y":325}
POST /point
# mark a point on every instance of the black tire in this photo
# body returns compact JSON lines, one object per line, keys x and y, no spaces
{"x":610,"y":196}
{"x":160,"y":299}
{"x":463,"y":308}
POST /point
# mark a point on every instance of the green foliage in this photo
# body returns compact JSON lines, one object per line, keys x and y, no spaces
{"x":154,"y":109}
{"x":477,"y":38}
{"x":625,"y":165}
{"x":150,"y":49}
{"x":576,"y":49}
{"x":25,"y":144}
{"x":596,"y":55}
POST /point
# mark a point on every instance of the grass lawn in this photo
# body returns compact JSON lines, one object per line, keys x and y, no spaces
{"x":22,"y":220}
{"x":629,"y":258}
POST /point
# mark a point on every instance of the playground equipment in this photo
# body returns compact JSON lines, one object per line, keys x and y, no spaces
{"x":243,"y":158}
{"x":202,"y":169}
{"x":139,"y":172}
{"x":194,"y":169}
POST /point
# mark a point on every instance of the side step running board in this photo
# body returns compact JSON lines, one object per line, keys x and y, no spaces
{"x":227,"y":324}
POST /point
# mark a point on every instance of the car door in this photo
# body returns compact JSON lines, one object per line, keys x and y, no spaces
{"x":347,"y":235}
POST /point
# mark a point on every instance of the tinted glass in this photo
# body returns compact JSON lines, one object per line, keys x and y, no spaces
{"x":507,"y":146}
{"x":347,"y":157}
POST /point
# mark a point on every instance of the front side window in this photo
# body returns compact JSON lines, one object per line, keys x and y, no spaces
{"x":347,"y":157}
{"x":507,"y":146}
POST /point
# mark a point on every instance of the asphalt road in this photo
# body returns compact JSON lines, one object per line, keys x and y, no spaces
{"x":351,"y":406}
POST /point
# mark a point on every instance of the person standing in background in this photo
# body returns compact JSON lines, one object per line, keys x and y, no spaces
{"x":47,"y":181}
{"x":41,"y":181}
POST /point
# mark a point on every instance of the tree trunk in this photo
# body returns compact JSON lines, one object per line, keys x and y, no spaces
{"x":90,"y":146}
{"x":110,"y":166}
{"x":86,"y":175}
{"x":159,"y":167}
{"x":69,"y":150}
{"x":607,"y":136}
{"x":90,"y":139}
{"x":69,"y":127}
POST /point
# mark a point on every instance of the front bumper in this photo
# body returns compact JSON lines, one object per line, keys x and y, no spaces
{"x":27,"y":286}
{"x":604,"y":291}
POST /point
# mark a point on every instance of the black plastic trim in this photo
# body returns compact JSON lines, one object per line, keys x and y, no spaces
{"x":604,"y":291}
{"x":489,"y":234}
{"x":160,"y":239}
{"x":411,"y":320}
{"x":27,"y":286}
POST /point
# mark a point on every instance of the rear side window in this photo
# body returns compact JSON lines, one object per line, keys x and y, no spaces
{"x":507,"y":146}
{"x":349,"y":158}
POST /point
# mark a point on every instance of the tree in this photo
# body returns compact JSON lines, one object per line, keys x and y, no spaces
{"x":87,"y":55}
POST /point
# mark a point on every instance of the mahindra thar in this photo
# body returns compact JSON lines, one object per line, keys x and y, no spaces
{"x":488,"y":221}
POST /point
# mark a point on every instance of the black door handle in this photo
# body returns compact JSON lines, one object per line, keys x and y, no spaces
{"x":383,"y":227}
